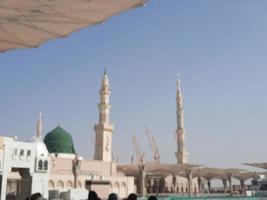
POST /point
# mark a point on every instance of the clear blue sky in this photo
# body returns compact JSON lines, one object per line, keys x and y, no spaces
{"x":218,"y":47}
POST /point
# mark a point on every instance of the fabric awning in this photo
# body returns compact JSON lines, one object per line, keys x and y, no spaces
{"x":28,"y":23}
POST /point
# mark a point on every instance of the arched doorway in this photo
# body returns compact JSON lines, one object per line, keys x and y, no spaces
{"x":116,"y":188}
{"x":123,"y":190}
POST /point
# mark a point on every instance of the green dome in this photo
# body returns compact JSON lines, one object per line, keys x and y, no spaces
{"x":59,"y":141}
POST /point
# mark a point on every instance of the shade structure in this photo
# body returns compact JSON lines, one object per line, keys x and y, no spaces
{"x":160,"y":169}
{"x":28,"y":23}
{"x":216,"y":173}
{"x":245,"y":175}
{"x":210,"y":173}
{"x":262,"y":165}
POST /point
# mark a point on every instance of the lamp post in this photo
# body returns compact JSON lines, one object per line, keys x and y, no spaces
{"x":142,"y":179}
{"x":199,"y":182}
{"x":76,"y":165}
{"x":229,"y":175}
{"x":189,"y":176}
{"x":174,"y":181}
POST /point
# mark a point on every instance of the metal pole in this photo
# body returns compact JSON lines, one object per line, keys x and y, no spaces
{"x":224,"y":185}
{"x":75,"y":169}
{"x":189,"y":179}
{"x":229,"y":176}
{"x":75,"y":181}
{"x":142,"y":175}
{"x":199,"y":181}
{"x":209,"y":185}
{"x":243,"y":187}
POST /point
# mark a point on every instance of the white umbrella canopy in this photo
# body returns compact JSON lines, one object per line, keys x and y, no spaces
{"x":28,"y":23}
{"x":163,"y":169}
{"x":262,"y":165}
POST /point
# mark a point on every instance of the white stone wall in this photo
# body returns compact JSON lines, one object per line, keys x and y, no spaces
{"x":122,"y":186}
{"x":19,"y":154}
{"x":40,"y":184}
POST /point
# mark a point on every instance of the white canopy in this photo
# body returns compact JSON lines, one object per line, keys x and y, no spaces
{"x":262,"y":165}
{"x":28,"y":23}
{"x":163,"y":169}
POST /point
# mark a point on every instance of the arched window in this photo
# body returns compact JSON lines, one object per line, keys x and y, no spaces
{"x":21,"y":154}
{"x":60,"y":185}
{"x":69,"y":185}
{"x":51,"y":185}
{"x":40,"y":165}
{"x":45,"y":165}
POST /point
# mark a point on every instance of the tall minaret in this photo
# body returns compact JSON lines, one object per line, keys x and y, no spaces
{"x":39,"y":127}
{"x":181,"y":153}
{"x":104,"y":129}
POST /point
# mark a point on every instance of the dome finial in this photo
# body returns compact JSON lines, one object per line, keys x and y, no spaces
{"x":178,"y":81}
{"x":105,"y":81}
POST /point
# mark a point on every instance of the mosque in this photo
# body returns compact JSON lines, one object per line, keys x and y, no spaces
{"x":53,"y":168}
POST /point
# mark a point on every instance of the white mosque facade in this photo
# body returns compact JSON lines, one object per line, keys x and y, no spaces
{"x":24,"y":168}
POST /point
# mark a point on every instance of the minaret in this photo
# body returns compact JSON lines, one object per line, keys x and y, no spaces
{"x":104,"y":129}
{"x":181,"y":153}
{"x":39,"y":127}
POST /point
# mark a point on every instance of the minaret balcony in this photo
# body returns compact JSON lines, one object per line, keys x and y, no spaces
{"x":103,"y":106}
{"x":104,"y":92}
{"x":104,"y":127}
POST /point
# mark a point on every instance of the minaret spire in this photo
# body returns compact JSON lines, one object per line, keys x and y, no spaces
{"x":181,"y":153}
{"x":104,"y":106}
{"x":39,"y":127}
{"x":104,"y":128}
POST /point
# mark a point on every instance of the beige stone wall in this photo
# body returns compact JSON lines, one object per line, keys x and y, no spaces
{"x":61,"y":176}
{"x":88,"y":167}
